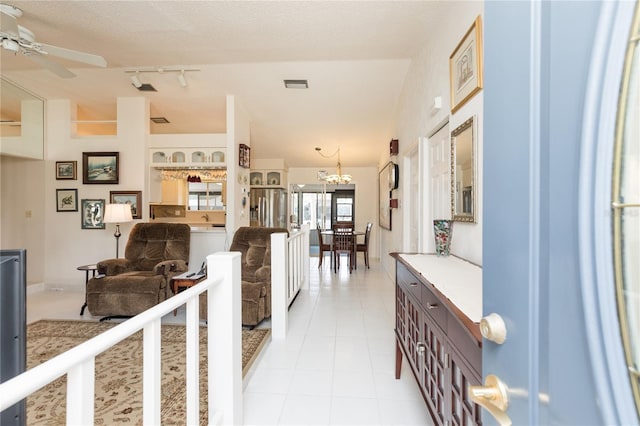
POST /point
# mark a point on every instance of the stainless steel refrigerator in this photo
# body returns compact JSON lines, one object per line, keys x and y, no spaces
{"x":268,"y":207}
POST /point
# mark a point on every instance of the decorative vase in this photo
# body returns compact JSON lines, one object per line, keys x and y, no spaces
{"x":442,"y":232}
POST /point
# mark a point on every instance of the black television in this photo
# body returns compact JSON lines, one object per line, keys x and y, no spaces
{"x":13,"y":326}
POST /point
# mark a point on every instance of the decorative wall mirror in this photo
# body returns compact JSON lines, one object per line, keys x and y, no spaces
{"x":463,"y":173}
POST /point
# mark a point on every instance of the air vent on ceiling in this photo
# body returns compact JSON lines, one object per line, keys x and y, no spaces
{"x":160,"y":120}
{"x":296,"y":84}
{"x":146,"y":87}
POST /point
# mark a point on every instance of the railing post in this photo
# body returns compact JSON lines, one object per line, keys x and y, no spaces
{"x":306,"y":228}
{"x":224,"y":335}
{"x":151,"y":372}
{"x":279,"y":285}
{"x":81,"y":384}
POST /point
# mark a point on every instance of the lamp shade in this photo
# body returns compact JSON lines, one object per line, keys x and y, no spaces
{"x":117,"y":213}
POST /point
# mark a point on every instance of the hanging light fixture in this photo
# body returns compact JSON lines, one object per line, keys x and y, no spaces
{"x":338,"y":178}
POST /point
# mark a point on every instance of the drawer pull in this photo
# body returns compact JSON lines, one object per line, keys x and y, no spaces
{"x":420,"y":348}
{"x":413,"y":284}
{"x":432,"y":305}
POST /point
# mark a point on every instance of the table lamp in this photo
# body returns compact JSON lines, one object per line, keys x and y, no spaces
{"x":117,"y":213}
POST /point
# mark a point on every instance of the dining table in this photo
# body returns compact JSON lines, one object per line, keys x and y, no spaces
{"x":355,"y":233}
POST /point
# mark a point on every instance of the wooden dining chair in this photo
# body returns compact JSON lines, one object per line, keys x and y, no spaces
{"x":364,"y":247}
{"x":323,"y":247}
{"x":343,"y":243}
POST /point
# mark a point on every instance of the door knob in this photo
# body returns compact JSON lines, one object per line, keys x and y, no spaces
{"x":492,"y":328}
{"x":493,"y":397}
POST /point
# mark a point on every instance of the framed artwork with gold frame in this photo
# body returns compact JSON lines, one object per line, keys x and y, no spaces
{"x":465,"y":67}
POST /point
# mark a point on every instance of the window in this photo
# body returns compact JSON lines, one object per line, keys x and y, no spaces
{"x":205,"y":196}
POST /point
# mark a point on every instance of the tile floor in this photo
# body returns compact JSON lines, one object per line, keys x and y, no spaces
{"x":336,"y":366}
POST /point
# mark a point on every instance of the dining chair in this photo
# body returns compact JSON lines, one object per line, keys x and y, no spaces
{"x":364,"y":247}
{"x":343,"y":243}
{"x":322,"y":247}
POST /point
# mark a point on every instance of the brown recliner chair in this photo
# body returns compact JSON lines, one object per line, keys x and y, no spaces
{"x":254,"y":244}
{"x":155,"y":252}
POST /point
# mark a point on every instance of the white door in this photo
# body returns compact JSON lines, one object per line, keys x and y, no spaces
{"x":412,"y":202}
{"x":545,"y":86}
{"x":439,"y":181}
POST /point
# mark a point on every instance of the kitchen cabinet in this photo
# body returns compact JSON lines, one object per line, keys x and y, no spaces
{"x":268,"y":178}
{"x":174,"y":192}
{"x":441,"y":343}
{"x":188,"y":157}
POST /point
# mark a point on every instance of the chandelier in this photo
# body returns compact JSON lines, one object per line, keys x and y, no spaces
{"x":338,"y":178}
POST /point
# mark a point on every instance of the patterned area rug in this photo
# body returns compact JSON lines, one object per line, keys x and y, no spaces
{"x":118,"y":381}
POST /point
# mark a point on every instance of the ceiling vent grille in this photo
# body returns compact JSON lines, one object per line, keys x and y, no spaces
{"x":296,"y":84}
{"x":160,"y":120}
{"x":146,"y":87}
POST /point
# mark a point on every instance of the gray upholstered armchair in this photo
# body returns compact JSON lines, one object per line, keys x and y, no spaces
{"x":254,"y":244}
{"x":155,"y":252}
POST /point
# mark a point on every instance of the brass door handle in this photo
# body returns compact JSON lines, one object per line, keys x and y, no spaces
{"x":493,"y":397}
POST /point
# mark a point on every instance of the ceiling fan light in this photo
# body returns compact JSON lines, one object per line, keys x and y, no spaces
{"x":136,"y":81}
{"x":182,"y":79}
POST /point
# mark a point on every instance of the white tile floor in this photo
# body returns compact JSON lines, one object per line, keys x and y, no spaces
{"x":336,"y":366}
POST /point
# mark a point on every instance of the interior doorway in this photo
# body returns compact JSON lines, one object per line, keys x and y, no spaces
{"x":320,"y":206}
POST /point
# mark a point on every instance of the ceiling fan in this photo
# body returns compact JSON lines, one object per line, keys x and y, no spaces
{"x":18,"y":39}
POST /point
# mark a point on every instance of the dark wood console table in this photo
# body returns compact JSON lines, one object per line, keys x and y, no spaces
{"x":441,"y":341}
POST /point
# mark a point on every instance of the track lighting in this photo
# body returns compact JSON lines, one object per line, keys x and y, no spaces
{"x":182,"y":80}
{"x":136,"y":81}
{"x":179,"y":70}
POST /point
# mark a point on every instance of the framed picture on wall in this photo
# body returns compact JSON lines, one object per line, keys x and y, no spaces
{"x":387,"y":181}
{"x":92,"y":214}
{"x":244,"y":156}
{"x":66,"y":170}
{"x":66,"y":200}
{"x":465,"y":67}
{"x":100,"y":167}
{"x":133,"y":198}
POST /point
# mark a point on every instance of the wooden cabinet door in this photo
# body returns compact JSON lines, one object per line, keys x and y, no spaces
{"x":433,"y":367}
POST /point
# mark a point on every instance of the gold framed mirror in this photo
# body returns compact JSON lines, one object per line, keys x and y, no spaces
{"x":463,"y":172}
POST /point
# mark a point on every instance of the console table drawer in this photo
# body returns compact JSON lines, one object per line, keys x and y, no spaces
{"x":409,"y":282}
{"x":434,"y":307}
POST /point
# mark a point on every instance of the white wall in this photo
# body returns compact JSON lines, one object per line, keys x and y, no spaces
{"x":238,"y":131}
{"x":428,"y":77}
{"x":366,"y":207}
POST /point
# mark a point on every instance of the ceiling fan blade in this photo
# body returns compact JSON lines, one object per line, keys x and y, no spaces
{"x":8,"y":24}
{"x":55,"y":68}
{"x":74,"y":55}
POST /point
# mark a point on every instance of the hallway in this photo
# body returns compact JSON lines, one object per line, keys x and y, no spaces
{"x":336,"y":365}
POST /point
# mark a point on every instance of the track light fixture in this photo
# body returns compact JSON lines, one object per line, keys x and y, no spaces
{"x":181,"y":71}
{"x":182,"y":80}
{"x":135,"y":80}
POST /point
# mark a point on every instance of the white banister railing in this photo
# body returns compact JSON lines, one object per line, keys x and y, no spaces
{"x":289,"y":273}
{"x":224,"y":354}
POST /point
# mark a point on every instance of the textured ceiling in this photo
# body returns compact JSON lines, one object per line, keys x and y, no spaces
{"x":354,"y":54}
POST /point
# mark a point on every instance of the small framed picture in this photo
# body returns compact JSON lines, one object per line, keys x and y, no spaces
{"x":100,"y":167}
{"x":66,"y":170}
{"x":465,"y":67}
{"x":66,"y":200}
{"x":92,"y":214}
{"x":244,"y":156}
{"x":133,"y":198}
